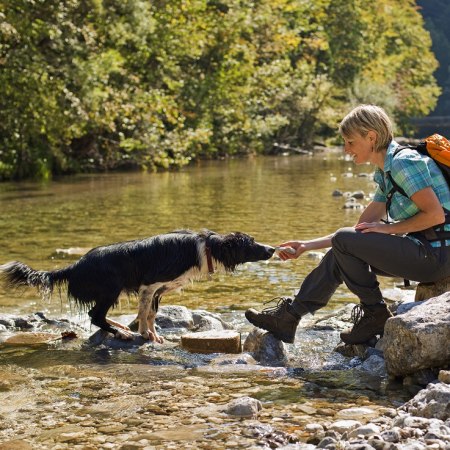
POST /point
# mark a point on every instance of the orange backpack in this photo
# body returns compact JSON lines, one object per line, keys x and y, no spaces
{"x":436,"y":147}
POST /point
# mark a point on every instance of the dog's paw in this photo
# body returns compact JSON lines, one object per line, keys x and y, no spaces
{"x":148,"y":335}
{"x":153,"y":337}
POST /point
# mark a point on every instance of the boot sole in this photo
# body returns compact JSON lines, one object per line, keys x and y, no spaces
{"x":275,"y":335}
{"x":350,"y":342}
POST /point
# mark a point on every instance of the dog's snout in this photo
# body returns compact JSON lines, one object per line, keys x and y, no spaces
{"x":270,"y":250}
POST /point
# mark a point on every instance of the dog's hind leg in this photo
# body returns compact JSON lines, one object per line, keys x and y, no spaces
{"x":152,"y":315}
{"x":146,"y":308}
{"x":98,"y":318}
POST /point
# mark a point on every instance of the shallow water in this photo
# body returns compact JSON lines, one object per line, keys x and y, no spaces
{"x":274,"y":199}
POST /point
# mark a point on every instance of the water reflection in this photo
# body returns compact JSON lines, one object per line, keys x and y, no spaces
{"x":274,"y":199}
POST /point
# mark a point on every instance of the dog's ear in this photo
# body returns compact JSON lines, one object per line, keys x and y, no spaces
{"x":205,"y":233}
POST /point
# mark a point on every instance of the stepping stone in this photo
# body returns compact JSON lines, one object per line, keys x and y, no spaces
{"x":213,"y":341}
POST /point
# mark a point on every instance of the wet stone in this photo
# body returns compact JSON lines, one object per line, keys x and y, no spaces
{"x":243,"y":407}
{"x":30,"y":339}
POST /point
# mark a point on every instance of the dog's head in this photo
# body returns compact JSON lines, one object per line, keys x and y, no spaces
{"x":237,"y":248}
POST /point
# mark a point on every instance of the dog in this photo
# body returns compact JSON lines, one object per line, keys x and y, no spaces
{"x":149,"y":267}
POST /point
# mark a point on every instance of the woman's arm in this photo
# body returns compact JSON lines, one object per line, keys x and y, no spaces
{"x":430,"y":214}
{"x":301,"y":247}
{"x":373,"y":212}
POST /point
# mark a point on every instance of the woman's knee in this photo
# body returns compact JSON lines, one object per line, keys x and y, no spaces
{"x":343,"y":237}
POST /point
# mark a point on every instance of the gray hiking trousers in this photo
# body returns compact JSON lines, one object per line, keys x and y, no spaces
{"x":357,"y":258}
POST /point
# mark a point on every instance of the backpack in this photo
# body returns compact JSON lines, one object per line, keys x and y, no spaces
{"x":436,"y":147}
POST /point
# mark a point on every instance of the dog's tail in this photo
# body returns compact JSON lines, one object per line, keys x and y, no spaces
{"x":16,"y":274}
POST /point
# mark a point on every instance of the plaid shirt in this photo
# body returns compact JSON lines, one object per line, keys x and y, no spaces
{"x":412,"y":172}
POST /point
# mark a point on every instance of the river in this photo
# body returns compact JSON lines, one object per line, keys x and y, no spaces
{"x":272,"y":198}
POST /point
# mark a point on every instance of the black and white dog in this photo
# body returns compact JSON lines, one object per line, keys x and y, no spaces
{"x":149,"y":267}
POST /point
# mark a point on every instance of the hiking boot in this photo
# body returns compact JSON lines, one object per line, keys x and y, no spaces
{"x":277,"y":320}
{"x":368,"y":322}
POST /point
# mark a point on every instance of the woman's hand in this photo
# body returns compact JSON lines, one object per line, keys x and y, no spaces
{"x":298,"y":246}
{"x":374,"y":227}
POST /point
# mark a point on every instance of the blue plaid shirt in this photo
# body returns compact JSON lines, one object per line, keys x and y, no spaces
{"x":412,"y":172}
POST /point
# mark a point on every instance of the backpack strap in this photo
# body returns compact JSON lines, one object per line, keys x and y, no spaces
{"x":436,"y":233}
{"x":395,"y":186}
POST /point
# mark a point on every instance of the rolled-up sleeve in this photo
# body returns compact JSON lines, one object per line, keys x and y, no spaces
{"x":411,"y":172}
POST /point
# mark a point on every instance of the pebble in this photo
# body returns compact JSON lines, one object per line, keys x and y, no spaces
{"x":342,"y":426}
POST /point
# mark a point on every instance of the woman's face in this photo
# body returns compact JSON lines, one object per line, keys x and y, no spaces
{"x":360,"y":148}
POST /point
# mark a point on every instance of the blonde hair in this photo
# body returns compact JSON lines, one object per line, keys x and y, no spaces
{"x":365,"y":118}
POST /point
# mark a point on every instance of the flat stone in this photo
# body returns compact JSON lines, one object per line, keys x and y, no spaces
{"x":356,"y":413}
{"x":224,"y":341}
{"x":341,"y":426}
{"x":31,"y":339}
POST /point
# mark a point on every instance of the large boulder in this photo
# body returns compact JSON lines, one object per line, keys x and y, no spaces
{"x":419,"y":338}
{"x":432,"y":402}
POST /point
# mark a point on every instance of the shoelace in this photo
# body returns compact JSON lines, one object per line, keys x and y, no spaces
{"x":359,"y":313}
{"x":274,"y":309}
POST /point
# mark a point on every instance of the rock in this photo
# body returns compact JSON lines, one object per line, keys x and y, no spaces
{"x":174,"y":317}
{"x":243,"y":358}
{"x":434,"y":401}
{"x":366,"y":430}
{"x":30,"y":339}
{"x":424,"y":291}
{"x":11,"y":321}
{"x":338,"y":320}
{"x":225,"y":341}
{"x":356,"y":413}
{"x":205,"y":321}
{"x":352,"y":205}
{"x":351,"y":350}
{"x":316,"y":256}
{"x":393,"y":435}
{"x":101,"y":337}
{"x":375,"y":365}
{"x":421,"y":378}
{"x":266,"y":348}
{"x":444,"y":376}
{"x":359,"y":195}
{"x":418,"y":339}
{"x":341,"y":426}
{"x":243,"y":407}
{"x":326,"y":441}
{"x":405,"y":307}
{"x":7,"y":321}
{"x":16,"y":444}
{"x":337,"y":193}
{"x":397,"y":296}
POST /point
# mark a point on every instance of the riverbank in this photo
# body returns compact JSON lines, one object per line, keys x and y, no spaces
{"x":94,"y":392}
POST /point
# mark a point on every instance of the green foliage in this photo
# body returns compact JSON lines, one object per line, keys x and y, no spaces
{"x":108,"y":84}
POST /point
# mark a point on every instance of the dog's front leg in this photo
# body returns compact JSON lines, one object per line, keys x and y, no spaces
{"x":145,"y":306}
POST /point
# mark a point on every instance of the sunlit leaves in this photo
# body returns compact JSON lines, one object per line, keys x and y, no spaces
{"x":106,"y":84}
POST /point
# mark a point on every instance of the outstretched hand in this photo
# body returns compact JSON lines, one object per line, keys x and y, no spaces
{"x":298,"y":246}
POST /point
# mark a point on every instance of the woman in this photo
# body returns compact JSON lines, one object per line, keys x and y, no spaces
{"x":373,"y":246}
